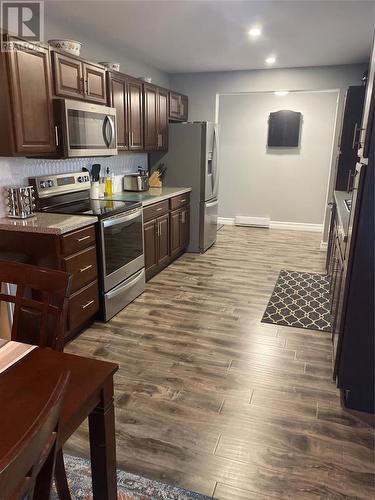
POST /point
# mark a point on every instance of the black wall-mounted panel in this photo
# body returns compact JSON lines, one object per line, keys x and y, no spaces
{"x":283,"y":129}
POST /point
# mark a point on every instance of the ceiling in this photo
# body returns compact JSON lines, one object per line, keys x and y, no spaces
{"x":180,"y":36}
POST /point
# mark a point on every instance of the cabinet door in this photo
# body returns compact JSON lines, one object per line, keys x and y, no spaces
{"x":175,"y":232}
{"x":184,"y":108}
{"x":31,"y":101}
{"x":150,"y":94}
{"x":151,"y":244}
{"x":118,"y":100}
{"x":68,"y":76}
{"x":162,"y":111}
{"x":163,"y":238}
{"x":174,"y":106}
{"x":184,"y":227}
{"x":94,"y":80}
{"x":135,"y":115}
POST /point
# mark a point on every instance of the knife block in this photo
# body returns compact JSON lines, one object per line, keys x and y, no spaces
{"x":155,"y":181}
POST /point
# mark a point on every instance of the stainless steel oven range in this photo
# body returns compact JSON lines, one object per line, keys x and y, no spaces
{"x":119,"y":235}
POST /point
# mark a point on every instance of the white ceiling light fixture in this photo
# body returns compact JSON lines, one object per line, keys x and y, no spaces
{"x":255,"y":31}
{"x":281,"y":92}
{"x":271,"y":60}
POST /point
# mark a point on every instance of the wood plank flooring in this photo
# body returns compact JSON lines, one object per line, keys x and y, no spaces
{"x":210,"y":399}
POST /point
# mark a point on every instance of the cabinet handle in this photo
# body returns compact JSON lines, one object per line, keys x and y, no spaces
{"x":130,"y":138}
{"x":87,"y":86}
{"x":86,"y":268}
{"x":88,"y":304}
{"x":183,"y":217}
{"x":183,"y":201}
{"x":56,"y":136}
{"x":83,"y":238}
{"x":158,"y":209}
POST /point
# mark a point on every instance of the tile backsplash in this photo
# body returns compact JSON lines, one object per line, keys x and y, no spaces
{"x":15,"y":171}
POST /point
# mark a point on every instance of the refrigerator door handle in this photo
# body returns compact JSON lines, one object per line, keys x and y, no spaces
{"x":215,"y":170}
{"x":211,"y":203}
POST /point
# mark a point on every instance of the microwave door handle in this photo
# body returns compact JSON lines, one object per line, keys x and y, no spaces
{"x":105,"y":121}
{"x":111,"y":124}
{"x":108,"y":141}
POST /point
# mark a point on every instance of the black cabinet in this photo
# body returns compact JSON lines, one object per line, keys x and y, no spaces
{"x":348,"y":143}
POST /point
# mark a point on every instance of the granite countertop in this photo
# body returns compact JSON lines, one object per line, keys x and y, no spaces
{"x":153,"y":195}
{"x":342,"y":212}
{"x":47,"y":223}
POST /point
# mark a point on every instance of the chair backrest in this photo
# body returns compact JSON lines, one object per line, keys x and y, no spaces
{"x":40,"y":303}
{"x":26,"y":472}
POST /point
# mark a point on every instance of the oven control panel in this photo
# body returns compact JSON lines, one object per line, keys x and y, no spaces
{"x":59,"y":184}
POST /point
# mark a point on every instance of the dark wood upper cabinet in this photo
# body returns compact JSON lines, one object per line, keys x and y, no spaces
{"x":26,"y":111}
{"x":118,"y":99}
{"x":68,"y":76}
{"x":135,"y":114}
{"x":178,"y":107}
{"x":75,"y":78}
{"x":155,"y":118}
{"x":125,"y":94}
{"x":94,"y":81}
{"x":162,"y":112}
{"x":150,"y":117}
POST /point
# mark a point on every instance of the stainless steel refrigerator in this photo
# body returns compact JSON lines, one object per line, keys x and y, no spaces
{"x":192,"y":161}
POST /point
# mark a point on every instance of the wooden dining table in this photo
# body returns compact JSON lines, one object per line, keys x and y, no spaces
{"x":31,"y":379}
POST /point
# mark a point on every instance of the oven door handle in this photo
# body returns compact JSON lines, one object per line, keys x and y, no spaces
{"x":127,"y":285}
{"x":120,"y":220}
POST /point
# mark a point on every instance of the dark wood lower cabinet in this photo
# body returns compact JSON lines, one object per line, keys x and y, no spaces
{"x":165,"y":237}
{"x":74,"y":252}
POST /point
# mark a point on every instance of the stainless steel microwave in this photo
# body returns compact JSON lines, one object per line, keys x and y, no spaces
{"x":85,"y":129}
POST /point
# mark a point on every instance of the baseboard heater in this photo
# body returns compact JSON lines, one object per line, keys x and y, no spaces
{"x":240,"y":220}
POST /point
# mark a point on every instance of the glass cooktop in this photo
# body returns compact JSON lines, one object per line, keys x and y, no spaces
{"x":100,"y":208}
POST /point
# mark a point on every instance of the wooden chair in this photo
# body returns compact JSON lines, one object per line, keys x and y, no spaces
{"x":39,"y":318}
{"x":40,"y":303}
{"x":26,"y":472}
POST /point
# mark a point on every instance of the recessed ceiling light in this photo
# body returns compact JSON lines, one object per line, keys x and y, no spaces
{"x":255,"y":31}
{"x":281,"y":92}
{"x":271,"y":60}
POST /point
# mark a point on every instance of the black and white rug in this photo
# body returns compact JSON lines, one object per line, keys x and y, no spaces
{"x":300,"y":300}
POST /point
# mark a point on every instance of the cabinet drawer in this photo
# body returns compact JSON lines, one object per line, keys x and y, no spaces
{"x":82,"y":266}
{"x":155,"y":210}
{"x":83,"y":305}
{"x":180,"y":201}
{"x":78,"y":240}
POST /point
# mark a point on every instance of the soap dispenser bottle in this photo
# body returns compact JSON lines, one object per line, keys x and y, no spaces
{"x":108,"y":184}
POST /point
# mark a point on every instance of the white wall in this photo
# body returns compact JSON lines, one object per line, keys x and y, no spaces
{"x":203,"y":88}
{"x":283,"y":184}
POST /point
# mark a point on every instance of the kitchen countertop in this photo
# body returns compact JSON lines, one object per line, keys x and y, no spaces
{"x":342,"y":212}
{"x":47,"y":223}
{"x":153,"y":195}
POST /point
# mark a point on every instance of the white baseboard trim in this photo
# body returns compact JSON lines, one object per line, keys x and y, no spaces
{"x":227,"y":221}
{"x":297,"y":226}
{"x":323,"y":245}
{"x":241,"y":220}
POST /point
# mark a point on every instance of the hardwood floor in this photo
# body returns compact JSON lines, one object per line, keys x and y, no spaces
{"x":210,"y":399}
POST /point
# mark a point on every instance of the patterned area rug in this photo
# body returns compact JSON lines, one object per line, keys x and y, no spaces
{"x":300,"y":300}
{"x":129,"y":486}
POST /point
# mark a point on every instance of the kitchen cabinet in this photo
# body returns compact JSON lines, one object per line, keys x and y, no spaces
{"x":155,"y":101}
{"x":166,"y":232}
{"x":348,"y":143}
{"x":74,"y":252}
{"x":125,"y":94}
{"x":26,"y":109}
{"x":178,"y":107}
{"x":79,"y":79}
{"x":180,"y":225}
